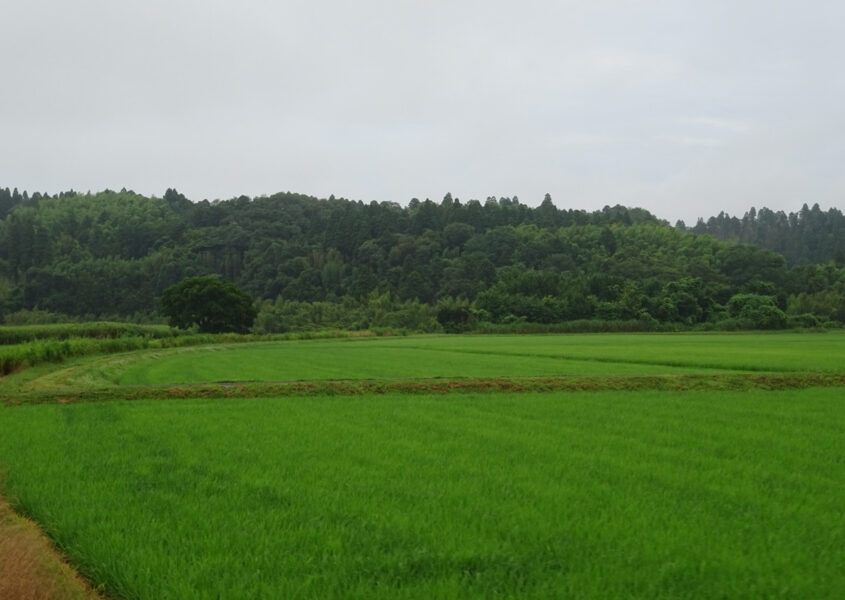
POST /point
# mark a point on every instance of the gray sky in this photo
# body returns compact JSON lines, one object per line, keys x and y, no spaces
{"x":685,"y":108}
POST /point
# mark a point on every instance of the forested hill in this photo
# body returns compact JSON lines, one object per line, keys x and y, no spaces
{"x":807,"y":236}
{"x":113,"y":253}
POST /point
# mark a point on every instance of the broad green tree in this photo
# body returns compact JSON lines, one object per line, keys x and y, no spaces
{"x":210,"y":303}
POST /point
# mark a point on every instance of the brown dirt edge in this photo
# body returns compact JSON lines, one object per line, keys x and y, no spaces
{"x":352,"y":387}
{"x":31,"y":568}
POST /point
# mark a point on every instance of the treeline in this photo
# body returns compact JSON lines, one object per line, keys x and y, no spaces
{"x":431,"y":265}
{"x":804,"y":237}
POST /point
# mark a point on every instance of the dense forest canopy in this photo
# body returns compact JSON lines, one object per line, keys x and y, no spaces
{"x":808,"y":236}
{"x":336,"y":262}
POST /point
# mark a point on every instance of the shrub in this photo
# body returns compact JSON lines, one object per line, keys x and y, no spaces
{"x":754,"y":311}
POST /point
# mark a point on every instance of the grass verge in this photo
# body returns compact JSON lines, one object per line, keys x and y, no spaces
{"x":30,"y":568}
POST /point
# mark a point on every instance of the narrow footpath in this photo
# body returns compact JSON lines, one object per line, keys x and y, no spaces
{"x":31,"y":568}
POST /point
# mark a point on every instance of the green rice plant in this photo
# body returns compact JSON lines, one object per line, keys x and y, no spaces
{"x":741,"y":351}
{"x":652,"y":495}
{"x":491,"y":356}
{"x":39,"y":351}
{"x":197,"y":359}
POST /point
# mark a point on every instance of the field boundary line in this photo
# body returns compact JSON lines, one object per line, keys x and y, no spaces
{"x":434,"y":385}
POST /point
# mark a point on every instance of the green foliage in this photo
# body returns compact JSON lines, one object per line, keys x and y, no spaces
{"x":110,"y":255}
{"x":753,"y":311}
{"x":825,"y":305}
{"x":576,"y":326}
{"x":209,"y":303}
{"x":376,"y":311}
{"x":35,"y":317}
{"x":21,"y":334}
{"x":454,"y":315}
{"x":805,"y":321}
{"x":807,"y":236}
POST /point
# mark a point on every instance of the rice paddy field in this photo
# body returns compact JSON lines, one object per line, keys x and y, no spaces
{"x":624,"y":493}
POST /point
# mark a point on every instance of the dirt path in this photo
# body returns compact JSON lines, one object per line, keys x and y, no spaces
{"x":30,"y":568}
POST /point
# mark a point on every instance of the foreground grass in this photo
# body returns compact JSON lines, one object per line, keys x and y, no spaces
{"x":600,"y":495}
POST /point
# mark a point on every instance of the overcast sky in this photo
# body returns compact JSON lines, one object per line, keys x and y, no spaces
{"x":686,"y":108}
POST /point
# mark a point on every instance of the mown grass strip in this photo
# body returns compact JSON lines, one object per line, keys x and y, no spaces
{"x":362,"y":387}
